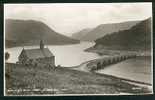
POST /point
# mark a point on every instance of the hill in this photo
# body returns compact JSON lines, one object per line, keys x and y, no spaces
{"x":61,"y":80}
{"x":137,"y":37}
{"x":103,"y":29}
{"x":29,"y":32}
{"x":79,"y":35}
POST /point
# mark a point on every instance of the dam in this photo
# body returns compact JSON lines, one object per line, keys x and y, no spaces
{"x":98,"y":64}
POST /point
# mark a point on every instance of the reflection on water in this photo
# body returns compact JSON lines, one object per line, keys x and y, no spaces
{"x":138,"y":69}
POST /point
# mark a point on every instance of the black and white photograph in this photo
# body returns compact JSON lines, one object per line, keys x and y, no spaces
{"x":78,"y":49}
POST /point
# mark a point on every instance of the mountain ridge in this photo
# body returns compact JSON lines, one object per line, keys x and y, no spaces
{"x":137,"y":37}
{"x":29,"y":32}
{"x":80,"y":34}
{"x":103,"y":29}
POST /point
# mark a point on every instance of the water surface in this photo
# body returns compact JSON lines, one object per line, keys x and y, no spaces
{"x":138,"y":69}
{"x":72,"y":55}
{"x":65,"y":55}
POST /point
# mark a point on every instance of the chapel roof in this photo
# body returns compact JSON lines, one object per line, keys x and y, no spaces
{"x":38,"y":53}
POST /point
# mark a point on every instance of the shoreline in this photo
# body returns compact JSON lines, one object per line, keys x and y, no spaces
{"x":76,"y":80}
{"x":79,"y":67}
{"x":104,"y":51}
{"x":83,"y":82}
{"x":107,"y":75}
{"x":59,"y":44}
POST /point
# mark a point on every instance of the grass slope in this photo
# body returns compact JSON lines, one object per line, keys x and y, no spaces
{"x":65,"y":80}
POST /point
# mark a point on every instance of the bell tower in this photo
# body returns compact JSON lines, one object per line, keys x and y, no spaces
{"x":41,"y":45}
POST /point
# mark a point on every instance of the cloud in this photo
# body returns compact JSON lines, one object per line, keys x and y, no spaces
{"x":67,"y":18}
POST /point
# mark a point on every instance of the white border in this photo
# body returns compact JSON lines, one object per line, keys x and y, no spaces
{"x":78,"y":94}
{"x":152,"y":48}
{"x":4,"y":50}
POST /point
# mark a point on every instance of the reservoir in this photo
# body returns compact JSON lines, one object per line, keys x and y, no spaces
{"x":139,"y":68}
{"x":65,"y":55}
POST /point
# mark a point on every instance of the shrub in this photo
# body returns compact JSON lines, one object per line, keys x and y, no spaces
{"x":7,"y":56}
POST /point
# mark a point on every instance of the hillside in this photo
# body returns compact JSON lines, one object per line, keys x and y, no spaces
{"x":64,"y":81}
{"x":30,"y":32}
{"x":103,"y":29}
{"x":79,"y":35}
{"x":136,"y":38}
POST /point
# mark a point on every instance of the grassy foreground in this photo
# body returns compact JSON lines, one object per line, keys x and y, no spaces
{"x":38,"y":80}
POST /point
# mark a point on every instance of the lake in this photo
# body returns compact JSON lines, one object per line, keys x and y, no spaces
{"x":65,"y":55}
{"x":72,"y":55}
{"x":138,"y":69}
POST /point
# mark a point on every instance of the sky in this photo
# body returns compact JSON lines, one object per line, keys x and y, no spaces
{"x":67,"y":18}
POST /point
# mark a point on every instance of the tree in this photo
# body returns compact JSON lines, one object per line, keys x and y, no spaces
{"x":7,"y":55}
{"x":99,"y":65}
{"x":59,"y":66}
